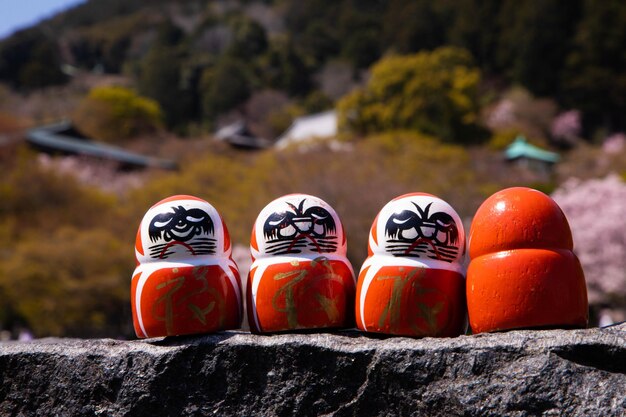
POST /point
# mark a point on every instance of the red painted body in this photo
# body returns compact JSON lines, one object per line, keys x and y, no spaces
{"x":302,"y":294}
{"x":185,"y":300}
{"x":416,"y":302}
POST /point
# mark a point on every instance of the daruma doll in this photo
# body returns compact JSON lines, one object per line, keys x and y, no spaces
{"x":185,"y":281}
{"x":300,"y":277}
{"x":412,"y":283}
{"x":523,"y":273}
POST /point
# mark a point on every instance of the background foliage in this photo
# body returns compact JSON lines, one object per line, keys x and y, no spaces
{"x":431,"y":92}
{"x":570,"y":50}
{"x":113,"y":114}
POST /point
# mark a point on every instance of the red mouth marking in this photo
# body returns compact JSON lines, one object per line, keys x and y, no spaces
{"x":174,"y":243}
{"x":302,"y":236}
{"x":422,"y":240}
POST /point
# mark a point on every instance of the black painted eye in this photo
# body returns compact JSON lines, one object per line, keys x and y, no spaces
{"x":276,"y":221}
{"x":275,"y":224}
{"x":321,"y":216}
{"x":194,"y":219}
{"x":400,"y":221}
{"x":161,"y":224}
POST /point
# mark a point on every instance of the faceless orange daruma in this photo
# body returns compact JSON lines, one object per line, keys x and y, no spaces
{"x":412,"y":282}
{"x":300,"y":277}
{"x":185,"y":281}
{"x":523,"y":273}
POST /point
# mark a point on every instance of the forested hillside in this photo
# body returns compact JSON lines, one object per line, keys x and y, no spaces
{"x":200,"y":59}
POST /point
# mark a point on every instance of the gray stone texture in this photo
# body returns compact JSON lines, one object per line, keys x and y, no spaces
{"x":517,"y":373}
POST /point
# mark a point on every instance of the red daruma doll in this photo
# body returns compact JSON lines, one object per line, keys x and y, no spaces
{"x":300,"y":277}
{"x":185,"y":281}
{"x":523,"y":273}
{"x":412,"y":283}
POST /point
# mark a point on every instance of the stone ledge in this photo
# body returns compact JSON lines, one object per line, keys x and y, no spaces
{"x":519,"y":373}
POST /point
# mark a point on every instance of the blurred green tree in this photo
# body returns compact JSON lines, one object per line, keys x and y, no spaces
{"x":310,"y":31}
{"x":224,"y":86}
{"x":43,"y":69}
{"x":161,"y":78}
{"x":362,"y":48}
{"x":534,"y":40}
{"x":595,"y":76}
{"x":168,"y":34}
{"x":114,"y":114}
{"x":249,"y":38}
{"x":360,"y":32}
{"x":282,"y":67}
{"x":476,"y":27}
{"x":432,"y":92}
{"x":105,"y":44}
{"x":319,"y":42}
{"x":30,"y":60}
{"x":414,"y":25}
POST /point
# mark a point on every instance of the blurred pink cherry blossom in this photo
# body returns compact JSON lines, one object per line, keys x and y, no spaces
{"x":566,"y":126}
{"x":596,"y":211}
{"x":614,"y":144}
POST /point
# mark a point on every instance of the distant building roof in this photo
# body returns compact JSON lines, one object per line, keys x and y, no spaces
{"x":58,"y":138}
{"x":520,"y":148}
{"x":319,"y":125}
{"x":238,"y":135}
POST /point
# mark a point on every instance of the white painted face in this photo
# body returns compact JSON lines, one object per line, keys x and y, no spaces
{"x":295,"y":225}
{"x":418,"y":226}
{"x":181,"y":228}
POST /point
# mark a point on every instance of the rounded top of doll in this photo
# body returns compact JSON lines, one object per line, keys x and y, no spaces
{"x":518,"y":218}
{"x":298,"y":225}
{"x":181,"y":228}
{"x":418,"y":226}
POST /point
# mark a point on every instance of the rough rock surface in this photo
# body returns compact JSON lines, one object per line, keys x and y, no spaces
{"x":519,"y":373}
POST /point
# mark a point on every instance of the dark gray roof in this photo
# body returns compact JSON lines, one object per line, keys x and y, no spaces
{"x":238,"y":135}
{"x":55,"y":137}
